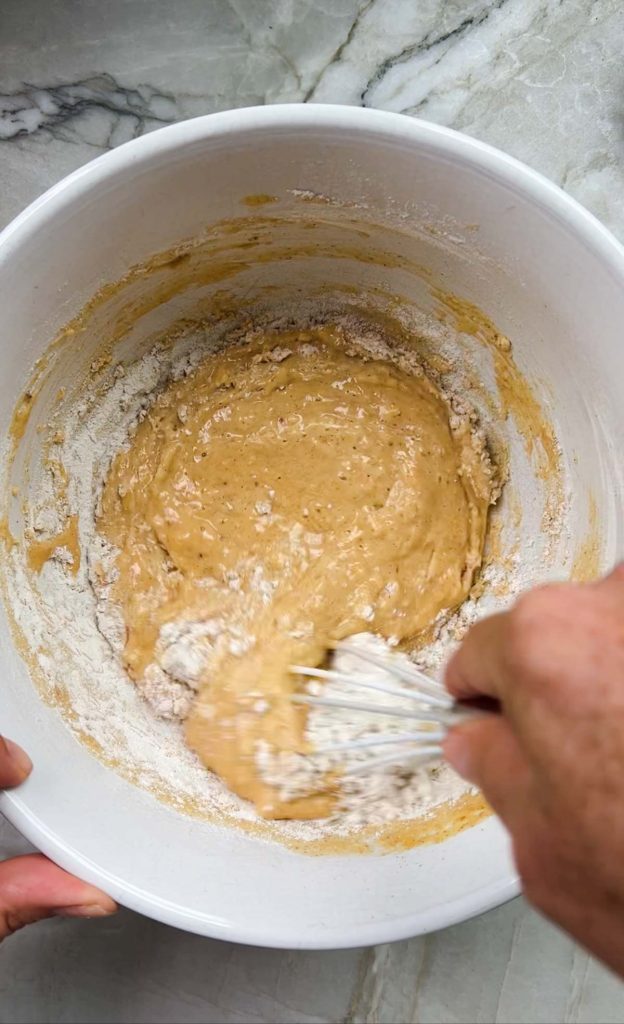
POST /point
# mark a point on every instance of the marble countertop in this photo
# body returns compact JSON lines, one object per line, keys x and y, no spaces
{"x":541,"y":79}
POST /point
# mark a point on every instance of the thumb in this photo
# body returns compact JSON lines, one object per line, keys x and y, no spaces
{"x":15,"y":764}
{"x":32,"y":888}
{"x":486,"y":752}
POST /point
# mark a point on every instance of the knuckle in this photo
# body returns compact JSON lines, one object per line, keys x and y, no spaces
{"x":534,"y":889}
{"x":525,"y":635}
{"x":10,"y":922}
{"x":535,"y":617}
{"x":617,"y":573}
{"x":534,"y":874}
{"x":543,"y":601}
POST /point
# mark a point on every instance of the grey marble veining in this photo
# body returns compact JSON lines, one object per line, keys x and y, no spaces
{"x":54,"y":109}
{"x":542,"y":79}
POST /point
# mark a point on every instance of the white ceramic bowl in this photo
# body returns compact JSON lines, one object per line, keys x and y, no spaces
{"x":549,"y":274}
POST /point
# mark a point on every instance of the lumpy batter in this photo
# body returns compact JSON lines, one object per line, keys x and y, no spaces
{"x":289,"y":492}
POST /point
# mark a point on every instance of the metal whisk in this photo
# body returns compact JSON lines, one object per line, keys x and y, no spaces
{"x":432,"y":708}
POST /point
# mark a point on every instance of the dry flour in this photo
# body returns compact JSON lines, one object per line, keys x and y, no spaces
{"x":77,"y":630}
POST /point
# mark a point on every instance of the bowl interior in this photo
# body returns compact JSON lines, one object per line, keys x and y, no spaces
{"x":315,"y":208}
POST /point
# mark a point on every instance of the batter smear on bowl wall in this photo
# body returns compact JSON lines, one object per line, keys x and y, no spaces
{"x":210,"y":504}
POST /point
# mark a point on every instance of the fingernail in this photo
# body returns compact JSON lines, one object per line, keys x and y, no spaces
{"x":86,"y":910}
{"x":19,"y":757}
{"x":457,"y":752}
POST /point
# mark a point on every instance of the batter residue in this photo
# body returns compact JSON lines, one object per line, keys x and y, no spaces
{"x":287,"y":493}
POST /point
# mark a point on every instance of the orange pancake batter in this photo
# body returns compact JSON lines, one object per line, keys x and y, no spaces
{"x":289,"y":492}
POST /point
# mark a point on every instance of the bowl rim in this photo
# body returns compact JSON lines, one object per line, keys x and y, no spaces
{"x":345,"y":936}
{"x":464,"y":148}
{"x":378,"y":124}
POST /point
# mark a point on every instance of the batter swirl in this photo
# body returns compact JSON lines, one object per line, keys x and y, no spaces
{"x":287,"y":493}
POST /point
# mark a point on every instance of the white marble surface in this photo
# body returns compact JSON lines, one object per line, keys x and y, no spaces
{"x":542,"y":79}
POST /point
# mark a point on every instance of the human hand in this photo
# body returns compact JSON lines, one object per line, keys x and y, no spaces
{"x":552,"y":764}
{"x":32,"y":887}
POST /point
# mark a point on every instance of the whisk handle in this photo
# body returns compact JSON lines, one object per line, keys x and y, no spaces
{"x":468,"y":711}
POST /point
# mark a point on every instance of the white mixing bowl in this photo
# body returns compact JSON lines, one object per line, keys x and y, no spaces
{"x":549,"y":276}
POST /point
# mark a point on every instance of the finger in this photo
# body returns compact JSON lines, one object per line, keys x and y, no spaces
{"x":615,"y":576}
{"x":475,"y":668}
{"x":15,"y":764}
{"x":486,"y":753}
{"x":32,"y":888}
{"x":612,"y":583}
